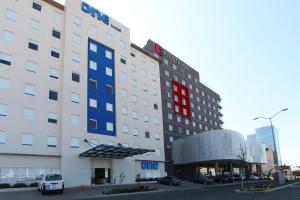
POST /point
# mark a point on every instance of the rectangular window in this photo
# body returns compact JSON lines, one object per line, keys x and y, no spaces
{"x":29,"y":89}
{"x":155,"y":106}
{"x":33,"y":45}
{"x":109,"y":126}
{"x":132,"y":55}
{"x":93,"y":103}
{"x":109,"y":107}
{"x":93,"y":84}
{"x":76,"y":38}
{"x":133,"y":67}
{"x":75,"y":143}
{"x":122,"y":44}
{"x":108,"y":54}
{"x":36,"y":6}
{"x":93,"y":123}
{"x":31,"y":66}
{"x":133,"y":83}
{"x":157,"y":151}
{"x":56,"y":33}
{"x":146,"y":118}
{"x":3,"y":110}
{"x":93,"y":47}
{"x":77,"y":21}
{"x":76,"y":57}
{"x":34,"y":24}
{"x":124,"y":110}
{"x":123,"y":76}
{"x":145,"y":87}
{"x":123,"y":93}
{"x":10,"y":14}
{"x":75,"y":119}
{"x":55,"y":52}
{"x":109,"y":89}
{"x":28,"y":114}
{"x":147,"y":134}
{"x":134,"y":99}
{"x":54,"y":73}
{"x":53,"y":95}
{"x":108,"y":71}
{"x":52,"y":141}
{"x":75,"y":77}
{"x":135,"y":132}
{"x":52,"y":118}
{"x":75,"y":97}
{"x":4,"y":83}
{"x":146,"y":102}
{"x":135,"y":115}
{"x":123,"y":61}
{"x":27,"y":139}
{"x":8,"y":36}
{"x":5,"y":59}
{"x":157,"y":136}
{"x":2,"y":137}
{"x":109,"y":36}
{"x":57,"y":16}
{"x":124,"y":128}
{"x":93,"y":65}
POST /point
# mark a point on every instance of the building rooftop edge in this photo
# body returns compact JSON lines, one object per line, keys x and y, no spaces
{"x":144,"y":52}
{"x":55,"y":4}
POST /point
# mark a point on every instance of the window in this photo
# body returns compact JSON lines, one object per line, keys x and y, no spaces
{"x":154,"y":91}
{"x":27,"y":139}
{"x":8,"y":36}
{"x":171,"y":139}
{"x":123,"y":60}
{"x":108,"y":54}
{"x":53,"y":95}
{"x":76,"y":38}
{"x":2,"y":137}
{"x":109,"y":107}
{"x":31,"y":66}
{"x":169,"y":104}
{"x":93,"y":65}
{"x":75,"y":119}
{"x":108,"y":71}
{"x":122,"y":44}
{"x":55,"y":52}
{"x":76,"y":57}
{"x":124,"y":93}
{"x":132,"y":54}
{"x":109,"y":126}
{"x":147,"y":134}
{"x":5,"y":59}
{"x":54,"y":73}
{"x":57,"y":16}
{"x":34,"y":24}
{"x":134,"y":99}
{"x":135,"y":115}
{"x":77,"y":21}
{"x":167,"y":73}
{"x":52,"y":141}
{"x":75,"y":98}
{"x":75,"y":143}
{"x":146,"y":102}
{"x":133,"y":83}
{"x":166,"y":61}
{"x":155,"y":106}
{"x":3,"y":110}
{"x":168,"y":84}
{"x":75,"y":77}
{"x":154,"y":78}
{"x":124,"y":128}
{"x":92,"y":123}
{"x":133,"y":67}
{"x":146,"y":118}
{"x":171,"y":128}
{"x":187,"y":132}
{"x":123,"y":76}
{"x":144,"y":73}
{"x":157,"y":136}
{"x":170,"y":116}
{"x":29,"y":89}
{"x":93,"y":47}
{"x":93,"y":103}
{"x":157,"y":151}
{"x":93,"y":84}
{"x":174,"y":67}
{"x":33,"y":45}
{"x":178,"y":119}
{"x":11,"y":15}
{"x":52,"y":118}
{"x":135,"y":132}
{"x":156,"y":121}
{"x":4,"y":83}
{"x":145,"y":87}
{"x":124,"y":110}
{"x":109,"y":89}
{"x":36,"y":6}
{"x":56,"y":33}
{"x":109,"y":36}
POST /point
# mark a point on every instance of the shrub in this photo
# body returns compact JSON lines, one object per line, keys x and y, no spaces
{"x":140,"y":188}
{"x":4,"y":185}
{"x":33,"y":185}
{"x":19,"y":185}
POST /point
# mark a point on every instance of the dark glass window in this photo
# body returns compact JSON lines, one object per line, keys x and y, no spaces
{"x":5,"y":62}
{"x":132,"y":54}
{"x":147,"y":134}
{"x":93,"y":84}
{"x":75,"y":77}
{"x":33,"y":46}
{"x":36,"y":6}
{"x":123,"y":61}
{"x":56,"y":34}
{"x":52,"y":121}
{"x":53,"y":95}
{"x":54,"y":54}
{"x":155,"y":107}
{"x":109,"y":89}
{"x":93,"y":123}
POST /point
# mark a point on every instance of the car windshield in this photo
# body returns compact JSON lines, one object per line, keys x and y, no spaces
{"x":53,"y":177}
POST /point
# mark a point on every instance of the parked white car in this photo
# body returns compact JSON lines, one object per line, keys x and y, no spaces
{"x":50,"y":182}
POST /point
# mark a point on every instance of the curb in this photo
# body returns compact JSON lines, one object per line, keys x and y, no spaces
{"x":266,"y":191}
{"x":18,"y":189}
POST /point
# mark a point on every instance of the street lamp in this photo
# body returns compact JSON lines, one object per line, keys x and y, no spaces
{"x":275,"y":148}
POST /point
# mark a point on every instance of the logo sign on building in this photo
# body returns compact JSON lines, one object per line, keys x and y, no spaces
{"x":158,"y":49}
{"x":94,"y":13}
{"x":149,"y":165}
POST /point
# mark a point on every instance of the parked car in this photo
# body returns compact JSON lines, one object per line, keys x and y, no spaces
{"x":222,"y":179}
{"x":253,"y":177}
{"x":203,"y":180}
{"x":236,"y":177}
{"x":169,"y":180}
{"x":262,"y":177}
{"x":50,"y":182}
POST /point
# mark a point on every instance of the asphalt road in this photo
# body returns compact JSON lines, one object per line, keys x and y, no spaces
{"x":213,"y":193}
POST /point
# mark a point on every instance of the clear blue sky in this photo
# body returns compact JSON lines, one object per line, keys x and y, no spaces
{"x":248,"y":51}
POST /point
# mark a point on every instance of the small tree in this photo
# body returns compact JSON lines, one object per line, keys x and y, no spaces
{"x":243,"y":161}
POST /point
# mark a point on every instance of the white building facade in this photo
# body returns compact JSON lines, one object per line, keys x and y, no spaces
{"x":71,"y":80}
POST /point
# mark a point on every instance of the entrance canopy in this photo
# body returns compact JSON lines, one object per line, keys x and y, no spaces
{"x":110,"y":151}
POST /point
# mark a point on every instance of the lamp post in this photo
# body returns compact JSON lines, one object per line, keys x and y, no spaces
{"x":275,"y":148}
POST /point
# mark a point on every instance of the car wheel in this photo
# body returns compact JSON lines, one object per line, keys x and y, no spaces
{"x":61,"y":191}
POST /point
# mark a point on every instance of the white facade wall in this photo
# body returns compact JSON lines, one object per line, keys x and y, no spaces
{"x":76,"y":170}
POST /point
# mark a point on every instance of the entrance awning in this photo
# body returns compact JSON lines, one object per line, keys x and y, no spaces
{"x":110,"y":151}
